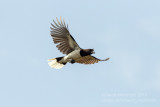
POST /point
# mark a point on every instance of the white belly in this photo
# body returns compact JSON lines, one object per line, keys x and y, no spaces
{"x":73,"y":55}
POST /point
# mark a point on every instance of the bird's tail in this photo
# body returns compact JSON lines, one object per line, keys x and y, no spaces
{"x":54,"y":63}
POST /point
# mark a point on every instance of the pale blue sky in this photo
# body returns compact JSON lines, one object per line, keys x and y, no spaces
{"x":127,"y":31}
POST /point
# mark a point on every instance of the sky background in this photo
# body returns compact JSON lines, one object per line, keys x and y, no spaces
{"x":127,"y":31}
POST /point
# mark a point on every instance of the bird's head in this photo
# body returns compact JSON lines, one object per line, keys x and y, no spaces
{"x":91,"y":51}
{"x":85,"y":52}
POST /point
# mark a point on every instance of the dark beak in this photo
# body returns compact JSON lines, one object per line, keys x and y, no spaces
{"x":93,"y":52}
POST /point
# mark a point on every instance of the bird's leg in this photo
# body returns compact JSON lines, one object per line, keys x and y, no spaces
{"x":71,"y":61}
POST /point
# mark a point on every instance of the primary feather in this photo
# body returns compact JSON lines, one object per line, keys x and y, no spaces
{"x":62,"y":37}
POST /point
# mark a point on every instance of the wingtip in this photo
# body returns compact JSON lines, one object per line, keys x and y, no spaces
{"x":107,"y":59}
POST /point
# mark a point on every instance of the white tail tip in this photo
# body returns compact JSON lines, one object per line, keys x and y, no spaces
{"x":55,"y":64}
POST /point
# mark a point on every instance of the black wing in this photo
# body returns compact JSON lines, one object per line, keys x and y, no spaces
{"x":61,"y":36}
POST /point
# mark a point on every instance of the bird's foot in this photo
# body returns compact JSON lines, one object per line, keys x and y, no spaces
{"x":71,"y":61}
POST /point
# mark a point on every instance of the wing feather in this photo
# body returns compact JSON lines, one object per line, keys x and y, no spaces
{"x":89,"y":60}
{"x":62,"y":37}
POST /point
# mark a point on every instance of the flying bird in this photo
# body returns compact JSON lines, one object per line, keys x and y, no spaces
{"x":67,"y":45}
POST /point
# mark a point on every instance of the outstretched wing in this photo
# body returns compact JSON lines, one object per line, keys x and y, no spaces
{"x":89,"y":60}
{"x":61,"y":36}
